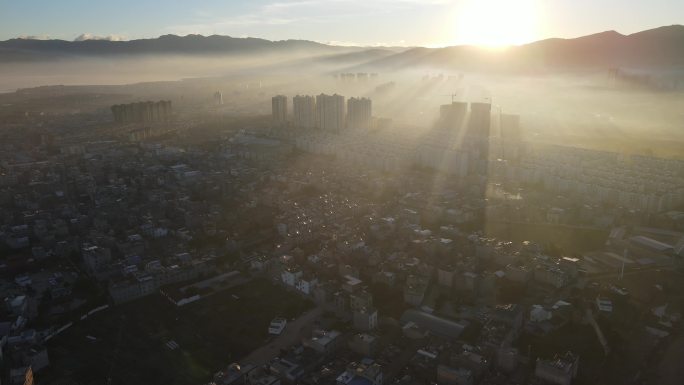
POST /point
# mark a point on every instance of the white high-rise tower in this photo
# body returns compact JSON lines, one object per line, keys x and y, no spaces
{"x":304,"y":111}
{"x":279,"y":109}
{"x":330,"y":112}
{"x":359,"y":112}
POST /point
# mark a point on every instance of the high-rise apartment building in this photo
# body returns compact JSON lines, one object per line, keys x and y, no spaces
{"x":218,"y":98}
{"x":330,"y":112}
{"x":452,"y":116}
{"x":510,"y":127}
{"x":480,"y":120}
{"x":304,"y":109}
{"x":142,"y":112}
{"x":279,"y":109}
{"x":359,"y":113}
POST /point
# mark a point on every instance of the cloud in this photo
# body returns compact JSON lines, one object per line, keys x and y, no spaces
{"x":342,"y":43}
{"x":89,"y":36}
{"x":34,"y":37}
{"x":379,"y":44}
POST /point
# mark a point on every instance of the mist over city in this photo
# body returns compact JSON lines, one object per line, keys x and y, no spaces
{"x":468,"y":192}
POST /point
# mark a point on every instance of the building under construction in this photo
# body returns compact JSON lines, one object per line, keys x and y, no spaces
{"x":142,"y":112}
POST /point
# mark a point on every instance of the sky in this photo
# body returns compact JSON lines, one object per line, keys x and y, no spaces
{"x":431,"y":23}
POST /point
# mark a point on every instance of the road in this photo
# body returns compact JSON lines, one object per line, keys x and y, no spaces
{"x":546,"y":224}
{"x":292,"y":334}
{"x":634,"y":271}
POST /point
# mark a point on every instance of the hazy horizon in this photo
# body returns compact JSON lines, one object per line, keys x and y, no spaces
{"x":94,"y":37}
{"x":443,"y":192}
{"x":433,"y":23}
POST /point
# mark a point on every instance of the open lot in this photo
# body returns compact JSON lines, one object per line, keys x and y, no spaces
{"x":130,"y":345}
{"x":571,"y":239}
{"x":577,"y":338}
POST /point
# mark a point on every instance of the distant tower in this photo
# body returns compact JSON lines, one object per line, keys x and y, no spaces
{"x":480,"y":120}
{"x":279,"y":109}
{"x":218,"y":98}
{"x":330,"y":112}
{"x":452,"y":116}
{"x":359,"y":113}
{"x":510,"y":127}
{"x":142,"y":112}
{"x":304,"y":111}
{"x":613,"y":76}
{"x":477,"y":132}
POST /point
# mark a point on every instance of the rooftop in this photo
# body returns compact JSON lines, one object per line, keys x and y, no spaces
{"x":435,"y":324}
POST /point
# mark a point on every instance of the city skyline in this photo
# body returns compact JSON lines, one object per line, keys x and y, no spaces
{"x":378,"y":23}
{"x":342,"y":192}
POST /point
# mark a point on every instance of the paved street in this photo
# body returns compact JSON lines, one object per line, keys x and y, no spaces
{"x":292,"y":334}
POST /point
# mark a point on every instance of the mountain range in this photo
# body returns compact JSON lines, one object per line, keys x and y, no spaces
{"x":661,"y":47}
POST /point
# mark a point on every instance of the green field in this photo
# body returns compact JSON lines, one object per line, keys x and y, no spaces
{"x":130,"y":349}
{"x":571,"y":239}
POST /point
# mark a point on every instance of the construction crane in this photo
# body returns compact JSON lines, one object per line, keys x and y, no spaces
{"x":455,"y":95}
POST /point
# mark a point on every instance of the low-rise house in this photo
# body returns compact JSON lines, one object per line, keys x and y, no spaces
{"x":560,"y":370}
{"x":364,"y":344}
{"x":365,"y":319}
{"x":368,"y":373}
{"x":306,"y":285}
{"x":291,"y":275}
{"x":324,"y":342}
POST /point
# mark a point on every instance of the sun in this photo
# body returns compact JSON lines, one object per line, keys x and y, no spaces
{"x":497,"y":23}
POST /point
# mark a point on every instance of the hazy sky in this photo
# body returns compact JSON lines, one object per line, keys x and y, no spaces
{"x":365,"y":22}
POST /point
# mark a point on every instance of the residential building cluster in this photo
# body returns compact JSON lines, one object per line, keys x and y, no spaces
{"x":328,"y":113}
{"x":387,"y":240}
{"x":142,"y":112}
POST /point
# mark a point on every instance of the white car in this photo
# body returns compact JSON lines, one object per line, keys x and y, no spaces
{"x":277,"y":326}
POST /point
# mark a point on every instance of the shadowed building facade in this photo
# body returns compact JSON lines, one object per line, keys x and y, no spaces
{"x":330,"y":112}
{"x":452,"y":116}
{"x":359,"y":113}
{"x":142,"y":112}
{"x":279,"y":109}
{"x":304,"y":111}
{"x":480,"y":121}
